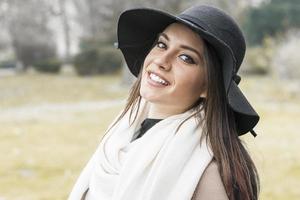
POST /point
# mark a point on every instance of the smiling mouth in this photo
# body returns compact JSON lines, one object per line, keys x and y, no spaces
{"x":157,"y":79}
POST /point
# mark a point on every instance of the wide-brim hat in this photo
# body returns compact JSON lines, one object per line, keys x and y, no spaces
{"x":138,"y":29}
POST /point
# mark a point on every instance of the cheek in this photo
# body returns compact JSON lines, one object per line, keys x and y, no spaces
{"x":149,"y":58}
{"x":146,"y":64}
{"x":146,"y":61}
{"x":192,"y":83}
{"x":199,"y":84}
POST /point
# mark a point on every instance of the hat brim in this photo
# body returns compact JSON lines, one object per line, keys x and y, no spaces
{"x":245,"y":116}
{"x":138,"y":30}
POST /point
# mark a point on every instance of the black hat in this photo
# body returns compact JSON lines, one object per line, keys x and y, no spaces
{"x":138,"y":29}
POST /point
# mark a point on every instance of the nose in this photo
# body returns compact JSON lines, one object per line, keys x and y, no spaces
{"x":163,"y":61}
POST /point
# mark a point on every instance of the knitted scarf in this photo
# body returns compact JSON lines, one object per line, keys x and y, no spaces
{"x":165,"y":163}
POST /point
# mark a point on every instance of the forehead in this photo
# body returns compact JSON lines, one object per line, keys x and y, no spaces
{"x":182,"y":34}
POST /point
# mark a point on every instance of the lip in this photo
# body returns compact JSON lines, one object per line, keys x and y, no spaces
{"x":153,"y":83}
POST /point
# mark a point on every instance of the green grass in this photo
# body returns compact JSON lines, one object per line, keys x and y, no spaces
{"x":41,"y":158}
{"x":34,"y":89}
{"x":275,"y":149}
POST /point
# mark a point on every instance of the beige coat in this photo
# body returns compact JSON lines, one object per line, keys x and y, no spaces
{"x":210,"y":186}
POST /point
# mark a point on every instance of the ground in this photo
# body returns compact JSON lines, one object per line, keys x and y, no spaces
{"x":50,"y":126}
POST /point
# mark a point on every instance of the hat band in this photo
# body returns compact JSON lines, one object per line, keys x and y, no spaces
{"x":194,"y":21}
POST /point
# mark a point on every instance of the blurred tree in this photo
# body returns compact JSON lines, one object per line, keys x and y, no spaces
{"x":28,"y":27}
{"x":235,"y":8}
{"x":271,"y":18}
{"x":62,"y":11}
{"x":98,"y":18}
{"x":173,"y":6}
{"x":4,"y":36}
{"x":285,"y":60}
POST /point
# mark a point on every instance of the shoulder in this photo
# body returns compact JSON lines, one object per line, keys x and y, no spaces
{"x":210,"y":186}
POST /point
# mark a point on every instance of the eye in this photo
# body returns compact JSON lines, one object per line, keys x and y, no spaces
{"x":161,"y":45}
{"x":187,"y":59}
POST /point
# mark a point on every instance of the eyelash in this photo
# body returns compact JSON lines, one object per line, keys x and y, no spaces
{"x":191,"y":60}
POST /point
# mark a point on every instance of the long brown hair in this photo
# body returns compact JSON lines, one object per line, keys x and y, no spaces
{"x":237,"y":170}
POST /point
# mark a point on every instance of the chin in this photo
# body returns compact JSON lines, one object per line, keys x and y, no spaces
{"x":149,"y":97}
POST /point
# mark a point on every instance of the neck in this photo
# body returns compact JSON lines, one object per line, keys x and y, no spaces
{"x":158,"y":111}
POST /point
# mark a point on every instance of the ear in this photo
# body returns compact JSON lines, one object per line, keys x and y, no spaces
{"x":203,"y":94}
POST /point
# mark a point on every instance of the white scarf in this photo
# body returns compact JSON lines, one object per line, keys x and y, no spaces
{"x":162,"y":164}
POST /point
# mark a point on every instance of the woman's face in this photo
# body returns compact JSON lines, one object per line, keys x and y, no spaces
{"x":173,"y":76}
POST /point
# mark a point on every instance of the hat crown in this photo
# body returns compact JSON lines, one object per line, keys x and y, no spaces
{"x":221,"y":25}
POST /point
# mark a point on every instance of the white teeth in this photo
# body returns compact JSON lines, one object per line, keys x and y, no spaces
{"x":158,"y":79}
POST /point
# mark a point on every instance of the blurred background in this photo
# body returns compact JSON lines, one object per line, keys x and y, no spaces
{"x":62,"y":81}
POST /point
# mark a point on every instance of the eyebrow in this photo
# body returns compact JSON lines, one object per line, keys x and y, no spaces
{"x":182,"y":46}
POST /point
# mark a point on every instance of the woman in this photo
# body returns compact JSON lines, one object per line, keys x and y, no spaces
{"x":177,"y":137}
